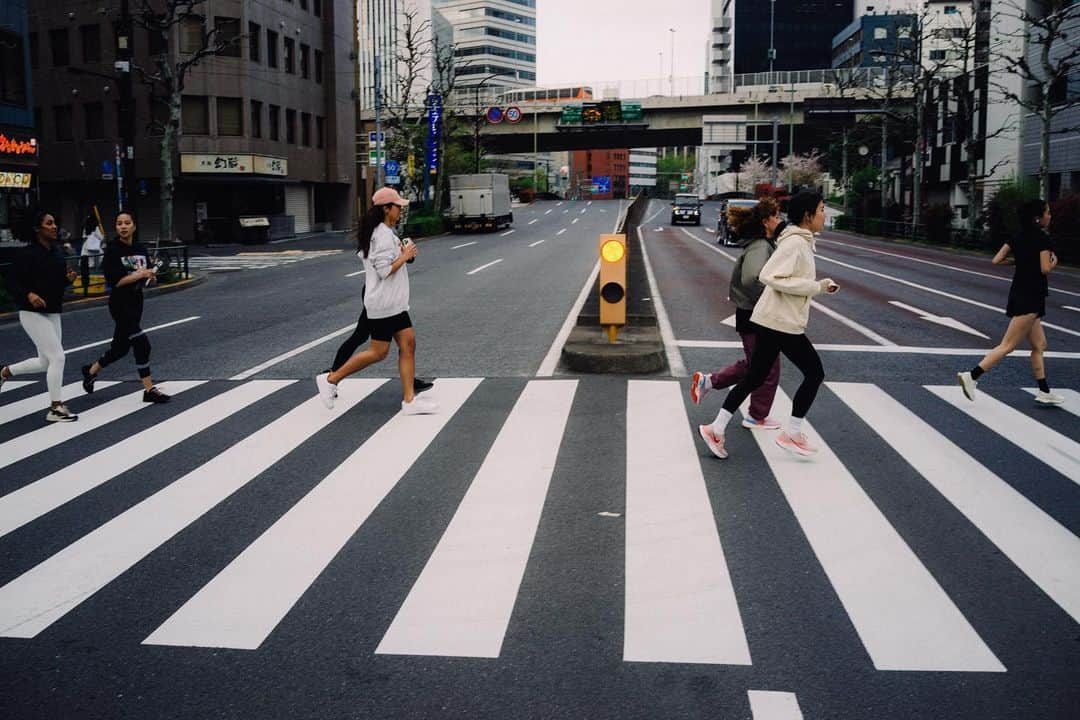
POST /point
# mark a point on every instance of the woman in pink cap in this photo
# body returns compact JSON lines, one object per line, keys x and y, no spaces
{"x":386,"y":299}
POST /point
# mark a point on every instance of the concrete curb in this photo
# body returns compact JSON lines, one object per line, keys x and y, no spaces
{"x":90,"y":302}
{"x":638,"y":351}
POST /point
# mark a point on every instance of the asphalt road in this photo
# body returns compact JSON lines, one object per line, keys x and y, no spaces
{"x":544,"y":547}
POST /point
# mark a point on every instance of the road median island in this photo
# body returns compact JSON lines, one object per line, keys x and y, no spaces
{"x":639,"y":349}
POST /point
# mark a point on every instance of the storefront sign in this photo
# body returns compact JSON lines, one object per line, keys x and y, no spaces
{"x":17,"y":146}
{"x":234,"y":164}
{"x":265,"y":165}
{"x":14,"y":179}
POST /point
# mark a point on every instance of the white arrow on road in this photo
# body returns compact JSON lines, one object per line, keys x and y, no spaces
{"x":939,"y":319}
{"x":730,"y":322}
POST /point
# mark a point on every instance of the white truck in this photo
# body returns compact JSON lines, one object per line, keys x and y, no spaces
{"x":480,"y":202}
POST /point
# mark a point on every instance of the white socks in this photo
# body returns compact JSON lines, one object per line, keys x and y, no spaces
{"x":721,"y":421}
{"x":794,"y":426}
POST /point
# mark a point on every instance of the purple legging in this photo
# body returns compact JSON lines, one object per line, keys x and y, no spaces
{"x":761,"y":400}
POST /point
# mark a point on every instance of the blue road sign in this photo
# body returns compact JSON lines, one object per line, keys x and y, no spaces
{"x":392,"y":167}
{"x":601,"y":185}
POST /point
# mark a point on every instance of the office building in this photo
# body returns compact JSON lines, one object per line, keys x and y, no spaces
{"x":643,"y":171}
{"x":266,"y":127}
{"x":875,"y":41}
{"x":495,"y":42}
{"x":19,"y":143}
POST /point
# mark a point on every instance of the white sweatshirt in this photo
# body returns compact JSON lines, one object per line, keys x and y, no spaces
{"x":790,"y":281}
{"x":385,"y":294}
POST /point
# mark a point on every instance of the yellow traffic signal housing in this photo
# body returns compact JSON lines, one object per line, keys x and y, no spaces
{"x":613,"y":252}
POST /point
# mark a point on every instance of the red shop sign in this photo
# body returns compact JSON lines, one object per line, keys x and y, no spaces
{"x":14,"y":146}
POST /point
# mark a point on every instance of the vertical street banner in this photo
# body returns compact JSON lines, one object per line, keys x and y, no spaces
{"x":435,"y":111}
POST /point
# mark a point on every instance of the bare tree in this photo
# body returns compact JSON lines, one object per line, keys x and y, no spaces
{"x":445,"y":65}
{"x":167,"y":78}
{"x":405,"y":104}
{"x":1041,"y":50}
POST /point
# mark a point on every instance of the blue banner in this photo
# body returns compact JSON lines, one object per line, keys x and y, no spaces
{"x":435,"y":111}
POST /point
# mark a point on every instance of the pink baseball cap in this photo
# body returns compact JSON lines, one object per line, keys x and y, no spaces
{"x":388,"y":195}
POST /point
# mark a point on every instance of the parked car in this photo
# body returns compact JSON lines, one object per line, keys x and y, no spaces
{"x":724,"y":234}
{"x":686,"y":208}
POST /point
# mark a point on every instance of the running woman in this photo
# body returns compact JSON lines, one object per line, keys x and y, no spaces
{"x":127,"y":271}
{"x":1035,"y":259}
{"x":781,"y":315}
{"x":37,"y":284}
{"x":386,"y":301}
{"x":761,"y":224}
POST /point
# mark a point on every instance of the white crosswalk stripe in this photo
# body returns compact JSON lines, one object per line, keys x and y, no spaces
{"x":680,"y":602}
{"x":255,"y":260}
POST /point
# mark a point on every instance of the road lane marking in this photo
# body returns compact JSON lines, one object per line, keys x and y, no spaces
{"x":1070,"y":307}
{"x":461,"y":603}
{"x":147,"y":330}
{"x":484,"y":267}
{"x":935,"y":291}
{"x":243,"y":604}
{"x":887,"y":349}
{"x":561,"y":231}
{"x":772,"y":705}
{"x":551,"y":360}
{"x":534,"y":220}
{"x":558,"y":204}
{"x":548,"y":212}
{"x":939,"y":319}
{"x":23,"y":446}
{"x":1036,"y":543}
{"x":38,"y":498}
{"x":908,"y":258}
{"x":588,"y":203}
{"x":34,"y":403}
{"x":582,"y":211}
{"x":1045,"y":445}
{"x":458,"y":247}
{"x":565,"y":211}
{"x":671,"y":348}
{"x":508,"y":232}
{"x":292,"y":353}
{"x":574,"y":221}
{"x":12,"y":384}
{"x":905,"y":619}
{"x":730,"y":322}
{"x":42,"y":595}
{"x":1072,"y":402}
{"x":535,"y":243}
{"x":358,"y":272}
{"x":680,"y":602}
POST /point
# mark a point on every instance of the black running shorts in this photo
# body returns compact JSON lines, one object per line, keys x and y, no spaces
{"x":384,"y":329}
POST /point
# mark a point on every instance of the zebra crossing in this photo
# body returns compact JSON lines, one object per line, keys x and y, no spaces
{"x":253,"y":260}
{"x":682,"y":603}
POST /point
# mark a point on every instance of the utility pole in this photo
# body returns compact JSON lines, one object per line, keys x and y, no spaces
{"x":772,"y":44}
{"x":126,"y":167}
{"x":775,"y":147}
{"x":378,"y":125}
{"x":791,"y":138}
{"x":884,"y":150}
{"x":672,"y":31}
{"x":843,"y":146}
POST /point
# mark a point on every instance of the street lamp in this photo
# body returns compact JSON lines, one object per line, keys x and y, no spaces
{"x":672,"y":31}
{"x":772,"y":28}
{"x":479,"y":119}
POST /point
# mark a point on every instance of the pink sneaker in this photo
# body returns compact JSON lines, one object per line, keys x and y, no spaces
{"x":797,"y":444}
{"x":714,"y":441}
{"x":767,"y":424}
{"x":699,"y":385}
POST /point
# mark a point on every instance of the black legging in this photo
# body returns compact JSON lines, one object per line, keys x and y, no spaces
{"x":128,"y":335}
{"x":353,"y":343}
{"x":796,"y":348}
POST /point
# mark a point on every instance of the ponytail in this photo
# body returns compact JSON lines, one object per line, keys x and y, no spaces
{"x":371,"y":220}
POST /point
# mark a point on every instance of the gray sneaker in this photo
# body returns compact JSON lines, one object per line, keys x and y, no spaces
{"x":967,"y":384}
{"x":60,"y":413}
{"x":1049,"y":398}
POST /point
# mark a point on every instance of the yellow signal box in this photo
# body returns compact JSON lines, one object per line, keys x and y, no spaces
{"x":613,"y":252}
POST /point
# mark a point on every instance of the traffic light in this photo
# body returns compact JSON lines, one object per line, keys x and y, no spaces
{"x":613,"y":251}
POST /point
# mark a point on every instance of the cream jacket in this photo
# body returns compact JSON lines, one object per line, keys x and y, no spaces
{"x":790,"y":281}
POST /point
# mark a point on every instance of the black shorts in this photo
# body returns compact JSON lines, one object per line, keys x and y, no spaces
{"x":1020,"y":305}
{"x":384,"y":329}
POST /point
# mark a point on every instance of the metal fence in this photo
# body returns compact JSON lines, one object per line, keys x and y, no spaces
{"x":954,"y":237}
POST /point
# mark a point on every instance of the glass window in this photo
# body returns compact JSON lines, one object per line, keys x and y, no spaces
{"x":230,"y":117}
{"x":195,"y":115}
{"x":271,"y":48}
{"x":881,"y":33}
{"x":58,"y":44}
{"x":62,"y":119}
{"x":256,"y":119}
{"x":303,"y":4}
{"x":290,"y":126}
{"x":275,"y":122}
{"x":254,"y":35}
{"x":12,"y":70}
{"x":320,"y":132}
{"x":156,"y":43}
{"x":290,"y":55}
{"x":316,"y":8}
{"x":192,"y":35}
{"x":228,"y":30}
{"x":305,"y":63}
{"x":35,"y":50}
{"x":305,"y":129}
{"x":95,"y":120}
{"x":318,"y":66}
{"x":91,"y":43}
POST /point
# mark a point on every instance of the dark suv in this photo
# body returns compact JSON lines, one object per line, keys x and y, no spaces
{"x":686,"y":208}
{"x":724,"y":234}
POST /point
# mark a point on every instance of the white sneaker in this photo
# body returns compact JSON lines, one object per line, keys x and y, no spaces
{"x":967,"y":384}
{"x":327,"y":392}
{"x":1049,"y":398}
{"x":419,"y":406}
{"x":60,"y":413}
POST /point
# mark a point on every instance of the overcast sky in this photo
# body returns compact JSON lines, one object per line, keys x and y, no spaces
{"x":592,"y":40}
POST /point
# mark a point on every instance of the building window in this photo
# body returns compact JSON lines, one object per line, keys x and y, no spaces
{"x":318,"y":66}
{"x":62,"y":118}
{"x":256,"y":119}
{"x":254,"y":33}
{"x":58,"y":43}
{"x":881,"y":33}
{"x":230,"y":117}
{"x":156,"y":43}
{"x":290,"y":55}
{"x":305,"y":65}
{"x":195,"y":115}
{"x":290,"y":127}
{"x":320,"y":133}
{"x":12,"y":70}
{"x":305,"y":129}
{"x":35,"y":50}
{"x":275,"y":122}
{"x":39,"y":123}
{"x":91,"y":43}
{"x":95,"y":120}
{"x":271,"y":48}
{"x":316,"y":8}
{"x":192,"y":35}
{"x":303,"y":4}
{"x":937,"y":54}
{"x":228,"y":30}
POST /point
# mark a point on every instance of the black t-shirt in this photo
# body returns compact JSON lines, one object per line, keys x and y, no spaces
{"x":1028,"y":279}
{"x":119,"y":261}
{"x":43,"y":271}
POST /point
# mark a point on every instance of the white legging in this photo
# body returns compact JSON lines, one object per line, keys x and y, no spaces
{"x":44,"y":330}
